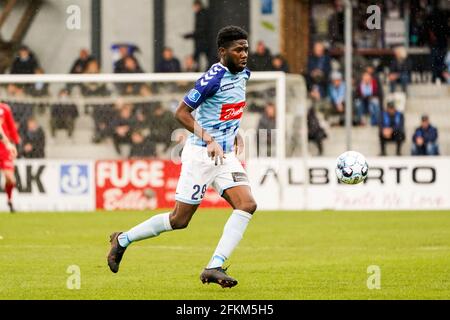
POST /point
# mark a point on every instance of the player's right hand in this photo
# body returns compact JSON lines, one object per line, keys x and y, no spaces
{"x":215,"y":152}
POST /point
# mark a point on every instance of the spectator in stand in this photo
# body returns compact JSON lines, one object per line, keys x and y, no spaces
{"x":446,"y":72}
{"x":22,"y":111}
{"x":63,"y":114}
{"x":38,"y":89}
{"x":130,"y":66}
{"x":368,"y":100}
{"x":261,"y":59}
{"x":266,"y":131}
{"x":162,"y":125}
{"x":33,"y":140}
{"x":279,"y":64}
{"x":201,"y":34}
{"x":438,"y":30}
{"x":315,"y":131}
{"x":79,"y":66}
{"x":372,"y":71}
{"x":80,"y":63}
{"x":25,"y":62}
{"x":425,"y":139}
{"x":392,"y":128}
{"x":168,"y":63}
{"x":122,"y":125}
{"x":336,"y":93}
{"x":126,"y":51}
{"x":336,"y":24}
{"x":102,"y":114}
{"x":400,"y":69}
{"x":141,"y":145}
{"x":190,"y":65}
{"x":319,"y":67}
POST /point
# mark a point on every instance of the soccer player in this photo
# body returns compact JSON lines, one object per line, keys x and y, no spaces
{"x":9,"y":137}
{"x":208,"y":158}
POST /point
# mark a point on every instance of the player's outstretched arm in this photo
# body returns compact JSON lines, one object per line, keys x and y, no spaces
{"x":184,"y":116}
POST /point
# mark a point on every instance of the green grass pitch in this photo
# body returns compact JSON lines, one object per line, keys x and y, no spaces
{"x":283,"y":255}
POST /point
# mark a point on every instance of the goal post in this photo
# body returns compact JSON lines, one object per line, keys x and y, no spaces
{"x":286,"y":91}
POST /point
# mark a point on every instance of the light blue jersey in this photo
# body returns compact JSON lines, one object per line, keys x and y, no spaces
{"x":219,"y":100}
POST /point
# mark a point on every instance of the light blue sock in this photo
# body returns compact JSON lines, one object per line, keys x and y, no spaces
{"x":147,"y":229}
{"x":123,"y":240}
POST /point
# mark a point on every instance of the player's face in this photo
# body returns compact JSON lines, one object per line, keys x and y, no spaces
{"x":235,"y":56}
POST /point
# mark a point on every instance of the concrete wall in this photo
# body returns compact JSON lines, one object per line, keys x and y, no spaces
{"x":55,"y":45}
{"x":128,"y":21}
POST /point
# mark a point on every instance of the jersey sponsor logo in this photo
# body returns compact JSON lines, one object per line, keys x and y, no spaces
{"x":226,"y":87}
{"x":232,"y":111}
{"x":74,"y":179}
{"x":194,"y":95}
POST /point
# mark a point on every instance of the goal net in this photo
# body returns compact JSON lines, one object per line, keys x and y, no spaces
{"x":118,"y":130}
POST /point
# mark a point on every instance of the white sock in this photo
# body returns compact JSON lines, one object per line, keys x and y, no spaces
{"x":147,"y":229}
{"x":232,"y":233}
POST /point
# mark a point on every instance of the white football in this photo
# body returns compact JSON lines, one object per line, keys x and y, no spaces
{"x":351,"y":167}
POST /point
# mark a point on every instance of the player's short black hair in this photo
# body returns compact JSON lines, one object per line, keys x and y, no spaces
{"x":229,"y":34}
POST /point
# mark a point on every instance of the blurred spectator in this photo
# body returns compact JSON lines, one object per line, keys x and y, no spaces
{"x":367,"y":100}
{"x":336,"y":23}
{"x":33,"y":140}
{"x":279,"y":64}
{"x":126,"y":51}
{"x":336,"y":93}
{"x":425,"y":139}
{"x":400,"y":69}
{"x":446,"y":73}
{"x":102,"y":114}
{"x":437,"y":29}
{"x":122,"y":125}
{"x":168,"y":62}
{"x":141,"y":146}
{"x":130,"y":66}
{"x":315,"y":131}
{"x":22,"y":111}
{"x":392,"y":128}
{"x":201,"y":34}
{"x":80,"y":63}
{"x":25,"y":62}
{"x":190,"y":65}
{"x":266,"y":128}
{"x":63,"y":114}
{"x":141,"y":121}
{"x":319,"y":67}
{"x":261,"y":59}
{"x":162,"y":125}
{"x":38,"y":89}
{"x":372,"y":71}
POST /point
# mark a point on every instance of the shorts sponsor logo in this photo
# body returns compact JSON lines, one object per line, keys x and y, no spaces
{"x":194,"y":95}
{"x":232,"y":111}
{"x":239,"y":177}
{"x":74,"y":179}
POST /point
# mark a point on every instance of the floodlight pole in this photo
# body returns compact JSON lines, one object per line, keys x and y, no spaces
{"x":348,"y":73}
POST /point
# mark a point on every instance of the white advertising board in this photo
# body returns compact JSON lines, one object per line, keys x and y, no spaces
{"x":52,"y":185}
{"x":393,"y":183}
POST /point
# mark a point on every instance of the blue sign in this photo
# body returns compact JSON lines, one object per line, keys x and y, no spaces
{"x":74,"y":179}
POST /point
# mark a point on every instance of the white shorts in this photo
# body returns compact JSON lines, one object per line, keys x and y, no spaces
{"x":198,"y":172}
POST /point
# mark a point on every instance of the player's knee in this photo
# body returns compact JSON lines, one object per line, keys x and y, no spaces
{"x":249,"y":206}
{"x":178,"y":222}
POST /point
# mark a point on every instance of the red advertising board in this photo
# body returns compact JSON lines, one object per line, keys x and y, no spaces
{"x":141,"y":184}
